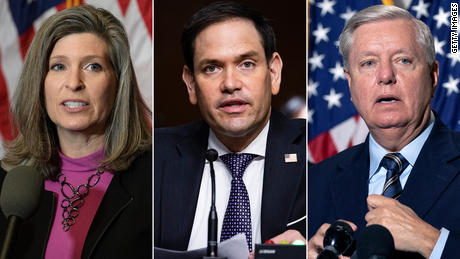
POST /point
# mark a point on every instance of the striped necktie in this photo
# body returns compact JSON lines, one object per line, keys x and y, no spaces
{"x":237,"y":217}
{"x":395,"y":163}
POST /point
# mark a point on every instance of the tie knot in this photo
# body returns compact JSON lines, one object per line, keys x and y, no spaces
{"x":394,"y":161}
{"x":237,"y":163}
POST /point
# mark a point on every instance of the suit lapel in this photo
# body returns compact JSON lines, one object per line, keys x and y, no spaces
{"x":182,"y":175}
{"x":280,"y":178}
{"x":114,"y":201}
{"x":432,"y":173}
{"x":349,"y":188}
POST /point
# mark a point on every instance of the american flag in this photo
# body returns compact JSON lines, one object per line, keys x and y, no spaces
{"x":333,"y":122}
{"x":20,"y":20}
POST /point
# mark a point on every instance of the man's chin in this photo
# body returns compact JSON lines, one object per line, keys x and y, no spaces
{"x":235,"y":132}
{"x":235,"y":128}
{"x":389,"y":120}
{"x":238,"y":127}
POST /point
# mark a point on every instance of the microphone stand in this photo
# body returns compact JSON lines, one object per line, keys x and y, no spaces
{"x":211,"y":156}
{"x":11,"y":237}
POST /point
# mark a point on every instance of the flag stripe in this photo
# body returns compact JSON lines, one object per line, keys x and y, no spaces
{"x":5,"y":125}
{"x":322,"y":147}
{"x":123,"y":6}
{"x":24,"y":41}
{"x":145,"y":7}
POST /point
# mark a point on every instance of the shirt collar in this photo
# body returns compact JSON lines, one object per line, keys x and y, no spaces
{"x":410,"y":151}
{"x":257,"y":146}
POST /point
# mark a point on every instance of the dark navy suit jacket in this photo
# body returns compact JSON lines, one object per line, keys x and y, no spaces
{"x":338,"y":187}
{"x":178,"y":168}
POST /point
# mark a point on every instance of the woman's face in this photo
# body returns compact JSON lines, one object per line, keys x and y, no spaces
{"x":80,"y":86}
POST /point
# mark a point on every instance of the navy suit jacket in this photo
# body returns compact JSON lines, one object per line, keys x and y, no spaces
{"x":338,"y":187}
{"x":178,"y":168}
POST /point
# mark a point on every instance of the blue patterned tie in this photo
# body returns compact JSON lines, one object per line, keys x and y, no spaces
{"x":395,"y":163}
{"x":237,"y":217}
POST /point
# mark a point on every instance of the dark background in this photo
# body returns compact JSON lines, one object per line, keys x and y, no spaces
{"x":171,"y":104}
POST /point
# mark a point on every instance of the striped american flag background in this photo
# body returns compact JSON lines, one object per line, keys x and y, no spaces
{"x":333,"y":122}
{"x":20,"y":19}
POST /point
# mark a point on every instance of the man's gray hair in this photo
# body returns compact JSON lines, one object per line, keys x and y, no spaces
{"x":384,"y":13}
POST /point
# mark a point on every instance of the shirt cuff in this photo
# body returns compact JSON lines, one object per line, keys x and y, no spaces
{"x":440,"y":244}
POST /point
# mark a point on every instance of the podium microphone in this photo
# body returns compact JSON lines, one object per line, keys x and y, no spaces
{"x":211,"y":156}
{"x":20,"y":198}
{"x":337,"y":239}
{"x":375,"y":242}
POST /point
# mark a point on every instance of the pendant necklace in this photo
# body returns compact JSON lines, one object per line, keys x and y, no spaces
{"x":71,"y":203}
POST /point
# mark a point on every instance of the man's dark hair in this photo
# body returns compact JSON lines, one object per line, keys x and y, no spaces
{"x":219,"y":12}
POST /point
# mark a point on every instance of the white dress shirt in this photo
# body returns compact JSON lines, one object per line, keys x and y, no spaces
{"x":253,"y":179}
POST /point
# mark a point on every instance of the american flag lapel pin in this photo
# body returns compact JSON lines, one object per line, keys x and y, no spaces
{"x":290,"y":158}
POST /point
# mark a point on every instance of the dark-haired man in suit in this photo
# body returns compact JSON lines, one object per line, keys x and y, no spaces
{"x":231,"y":72}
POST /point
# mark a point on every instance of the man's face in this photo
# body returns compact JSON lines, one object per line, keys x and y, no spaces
{"x":232,"y":82}
{"x":390,"y":80}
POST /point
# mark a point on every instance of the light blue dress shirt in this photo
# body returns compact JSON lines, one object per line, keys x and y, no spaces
{"x":377,"y":174}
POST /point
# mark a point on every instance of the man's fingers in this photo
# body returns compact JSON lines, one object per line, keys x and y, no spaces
{"x":374,"y":201}
{"x":352,"y":225}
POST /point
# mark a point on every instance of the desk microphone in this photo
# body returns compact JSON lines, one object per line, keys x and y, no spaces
{"x":375,"y":242}
{"x":20,"y":198}
{"x":211,"y":156}
{"x":337,"y":239}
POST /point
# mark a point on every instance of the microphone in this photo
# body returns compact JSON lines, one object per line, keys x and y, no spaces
{"x":375,"y":242}
{"x":337,"y":239}
{"x":211,"y":156}
{"x":19,"y":199}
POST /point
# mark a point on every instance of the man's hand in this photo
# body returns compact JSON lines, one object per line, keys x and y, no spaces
{"x":410,"y":233}
{"x":315,"y":244}
{"x":289,"y":235}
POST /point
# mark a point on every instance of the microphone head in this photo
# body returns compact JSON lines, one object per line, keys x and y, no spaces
{"x":21,"y":192}
{"x":377,"y":241}
{"x":338,"y":237}
{"x":211,"y":155}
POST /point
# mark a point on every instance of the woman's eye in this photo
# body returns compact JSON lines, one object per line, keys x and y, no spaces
{"x":96,"y":67}
{"x":58,"y":67}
